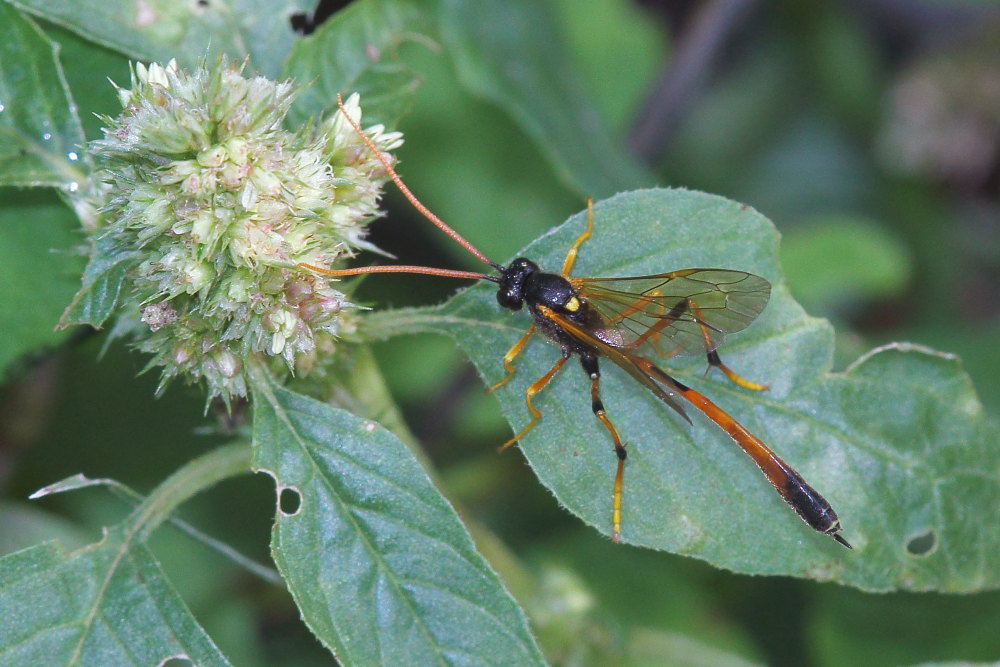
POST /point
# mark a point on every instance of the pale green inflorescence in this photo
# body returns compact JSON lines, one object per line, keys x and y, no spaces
{"x":218,"y":203}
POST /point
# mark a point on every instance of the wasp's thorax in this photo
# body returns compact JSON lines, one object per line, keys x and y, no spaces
{"x":523,"y":282}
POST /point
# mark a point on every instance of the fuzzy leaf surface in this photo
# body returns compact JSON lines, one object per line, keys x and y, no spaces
{"x":106,"y":604}
{"x":898,"y":443}
{"x":102,"y":283}
{"x":381,"y":568}
{"x":40,"y":133}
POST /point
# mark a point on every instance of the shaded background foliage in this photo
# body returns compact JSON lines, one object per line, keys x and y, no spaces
{"x":868,"y":131}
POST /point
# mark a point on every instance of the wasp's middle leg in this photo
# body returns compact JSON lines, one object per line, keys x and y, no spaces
{"x":533,"y":389}
{"x":508,"y":359}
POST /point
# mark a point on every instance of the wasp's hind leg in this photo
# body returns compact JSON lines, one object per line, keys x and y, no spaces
{"x":589,"y":363}
{"x":713,"y":356}
{"x":533,"y":389}
{"x":714,"y":360}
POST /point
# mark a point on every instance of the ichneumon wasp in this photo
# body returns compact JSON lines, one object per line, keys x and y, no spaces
{"x":623,"y":320}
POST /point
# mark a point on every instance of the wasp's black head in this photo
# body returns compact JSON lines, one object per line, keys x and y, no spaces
{"x":510,"y":294}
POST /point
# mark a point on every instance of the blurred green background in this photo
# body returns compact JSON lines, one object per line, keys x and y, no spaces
{"x":869,"y":132}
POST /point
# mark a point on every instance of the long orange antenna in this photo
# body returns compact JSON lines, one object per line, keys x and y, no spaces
{"x":398,"y":268}
{"x":438,"y":222}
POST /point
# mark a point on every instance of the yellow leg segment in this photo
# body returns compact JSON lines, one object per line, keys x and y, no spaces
{"x":533,"y":389}
{"x":741,"y":381}
{"x":616,"y":500}
{"x":508,"y":359}
{"x":573,"y":249}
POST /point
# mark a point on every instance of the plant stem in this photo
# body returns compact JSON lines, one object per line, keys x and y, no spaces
{"x":198,"y":475}
{"x":388,"y":323}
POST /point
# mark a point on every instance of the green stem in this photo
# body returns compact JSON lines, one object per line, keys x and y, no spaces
{"x":198,"y":475}
{"x":134,"y":498}
{"x":368,"y":396}
{"x":386,"y":324}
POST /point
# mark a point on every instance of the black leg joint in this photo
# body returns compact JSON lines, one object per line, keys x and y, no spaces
{"x":589,"y":363}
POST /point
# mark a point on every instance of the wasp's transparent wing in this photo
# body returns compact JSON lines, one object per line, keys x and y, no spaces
{"x":687,"y":311}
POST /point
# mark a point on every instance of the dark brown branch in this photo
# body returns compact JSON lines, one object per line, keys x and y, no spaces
{"x":698,"y":47}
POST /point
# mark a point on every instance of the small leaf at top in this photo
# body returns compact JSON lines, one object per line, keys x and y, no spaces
{"x":158,"y":30}
{"x":40,"y":134}
{"x":510,"y":53}
{"x":355,"y":51}
{"x":898,"y":443}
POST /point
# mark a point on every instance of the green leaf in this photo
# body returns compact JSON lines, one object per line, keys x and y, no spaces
{"x":107,"y":604}
{"x":838,"y":260}
{"x":355,"y":51}
{"x":382,"y":570}
{"x":40,"y":133}
{"x":898,"y":443}
{"x":158,"y":30}
{"x":510,"y":53}
{"x":102,"y":284}
{"x":38,"y":270}
{"x":88,"y":67}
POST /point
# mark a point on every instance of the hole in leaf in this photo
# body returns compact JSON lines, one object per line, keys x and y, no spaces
{"x":289,"y":501}
{"x":922,"y":544}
